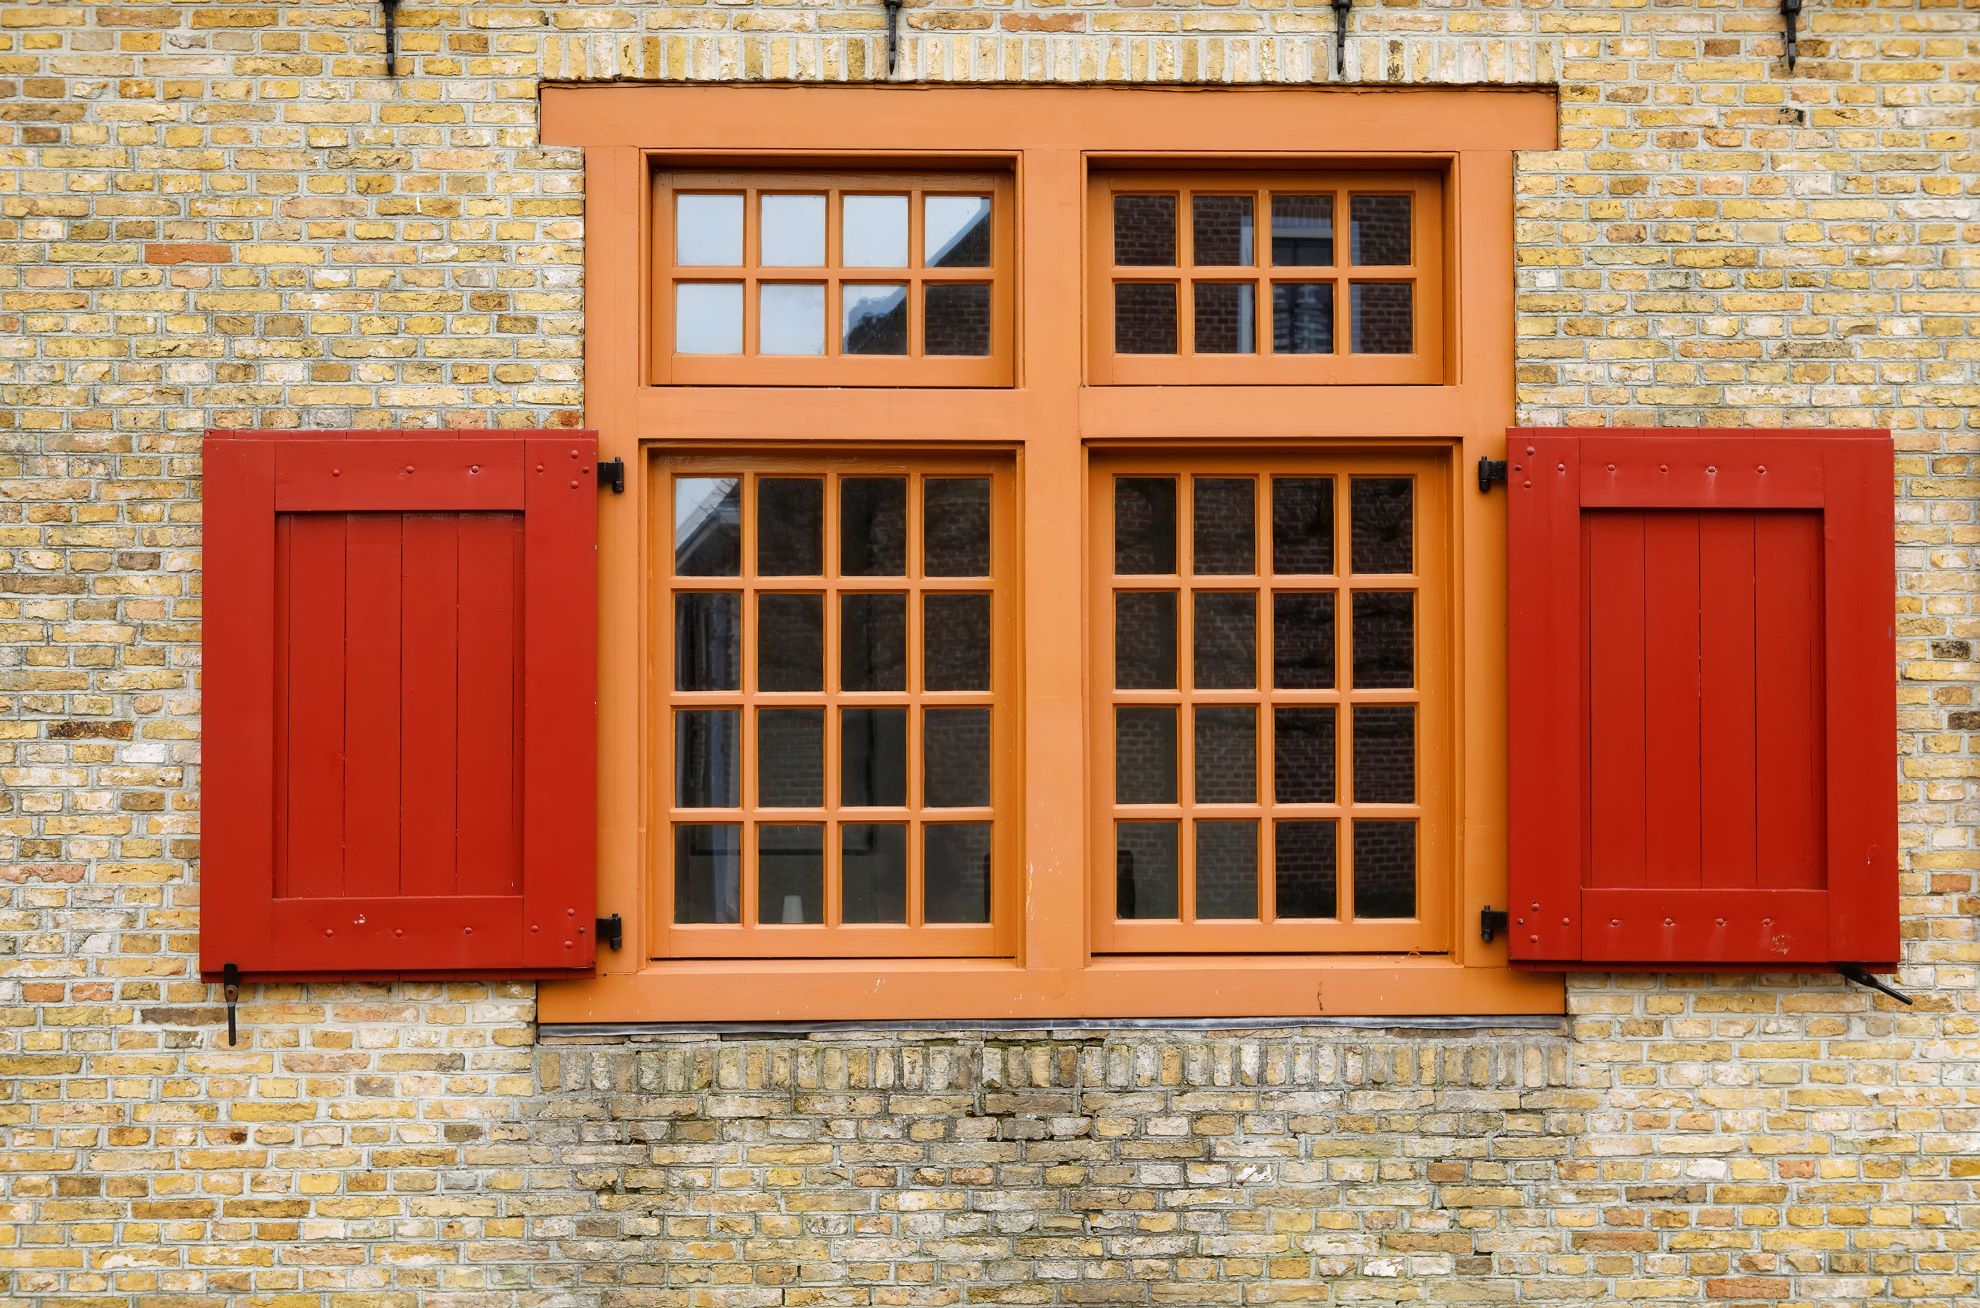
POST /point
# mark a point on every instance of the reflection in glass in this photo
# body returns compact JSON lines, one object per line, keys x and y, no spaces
{"x":1146,"y":876}
{"x":1384,"y":869}
{"x":1145,"y":639}
{"x":1302,"y":317}
{"x":873,"y":526}
{"x":876,"y":231}
{"x":707,"y":758}
{"x":1384,"y":641}
{"x":1302,"y":526}
{"x":790,"y":526}
{"x":793,"y":231}
{"x":1223,"y":525}
{"x":875,"y":319}
{"x":708,"y":526}
{"x":1226,"y":640}
{"x":1226,"y":754}
{"x":872,"y":642}
{"x":873,"y":872}
{"x":1379,"y":524}
{"x":790,"y":757}
{"x":790,"y":642}
{"x":1226,"y":318}
{"x":790,"y":874}
{"x":1384,"y":754}
{"x":1303,"y":870}
{"x":955,"y":527}
{"x":707,"y":640}
{"x":955,"y":746}
{"x":1145,"y":230}
{"x":956,"y":319}
{"x":707,"y":872}
{"x":790,"y":318}
{"x":872,"y":757}
{"x":1303,"y":755}
{"x":955,"y":872}
{"x":1144,"y":525}
{"x":1145,"y":755}
{"x":1220,"y":231}
{"x":1382,"y":317}
{"x":1378,"y":230}
{"x":1145,"y":317}
{"x":956,"y":231}
{"x":708,"y":317}
{"x":1302,"y":230}
{"x":955,"y":637}
{"x":1303,"y":640}
{"x":708,"y":231}
{"x":1227,"y":869}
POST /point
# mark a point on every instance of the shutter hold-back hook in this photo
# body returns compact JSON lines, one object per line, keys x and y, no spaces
{"x":230,"y":990}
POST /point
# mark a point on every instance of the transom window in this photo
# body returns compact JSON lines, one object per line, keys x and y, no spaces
{"x":799,"y":278}
{"x":835,"y":711}
{"x":1270,"y":732}
{"x":1276,"y":277}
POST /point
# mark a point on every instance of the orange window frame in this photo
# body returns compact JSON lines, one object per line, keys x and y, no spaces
{"x":833,"y":367}
{"x":1053,"y":421}
{"x":749,"y":937}
{"x":1430,"y":693}
{"x":1424,"y":274}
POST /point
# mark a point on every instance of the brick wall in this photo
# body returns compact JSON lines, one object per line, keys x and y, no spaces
{"x":220,"y":216}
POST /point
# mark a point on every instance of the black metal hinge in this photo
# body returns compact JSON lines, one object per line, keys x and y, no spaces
{"x":230,"y":990}
{"x":611,"y":932}
{"x":391,"y":14}
{"x":1790,"y":11}
{"x":1340,"y":8}
{"x":612,"y":475}
{"x":1491,"y":472}
{"x":1492,"y":921}
{"x":1862,"y":976}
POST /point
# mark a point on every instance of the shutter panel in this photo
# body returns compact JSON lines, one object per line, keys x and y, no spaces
{"x":399,"y":680}
{"x":1703,"y":699}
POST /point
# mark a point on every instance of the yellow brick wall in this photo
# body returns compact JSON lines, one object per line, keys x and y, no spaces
{"x":220,"y":215}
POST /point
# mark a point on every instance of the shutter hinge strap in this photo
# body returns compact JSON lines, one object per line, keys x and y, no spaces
{"x":612,"y":475}
{"x":1491,"y":921}
{"x":1491,"y":472}
{"x":1862,"y":976}
{"x":611,"y":931}
{"x":230,"y":990}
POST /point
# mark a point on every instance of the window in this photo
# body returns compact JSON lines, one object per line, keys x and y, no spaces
{"x":1278,"y":277}
{"x":1273,"y":745}
{"x":837,"y":761}
{"x":795,"y":278}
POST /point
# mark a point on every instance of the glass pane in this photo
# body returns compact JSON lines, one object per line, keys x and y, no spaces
{"x":1145,"y":317}
{"x":1145,"y":640}
{"x":1302,"y":230}
{"x":876,"y":231}
{"x":707,"y":872}
{"x":1384,"y":641}
{"x":708,"y":317}
{"x":1225,"y":318}
{"x":1385,"y":754}
{"x":1382,"y":317}
{"x":873,"y":757}
{"x":1379,"y":534}
{"x":1303,"y":755}
{"x":1384,"y":869}
{"x":1224,"y":526}
{"x":1302,"y":317}
{"x":707,"y":758}
{"x":1226,"y":754}
{"x":873,"y":526}
{"x":955,"y":527}
{"x":790,"y":526}
{"x":1378,"y":229}
{"x":956,"y":319}
{"x":707,"y":640}
{"x":1144,"y":525}
{"x":793,"y":231}
{"x":790,"y":318}
{"x":1145,"y":755}
{"x":1227,"y":869}
{"x":790,"y":758}
{"x":790,"y":642}
{"x":1303,"y":640}
{"x":955,"y":872}
{"x":956,"y":231}
{"x":1220,"y":231}
{"x":790,"y":874}
{"x":1303,"y":870}
{"x":708,"y":231}
{"x":1303,"y":526}
{"x":1226,"y":640}
{"x":873,"y":642}
{"x":875,"y":319}
{"x":708,"y":526}
{"x":1145,"y":873}
{"x":955,"y":635}
{"x":873,"y":872}
{"x":955,"y":747}
{"x":1145,"y":231}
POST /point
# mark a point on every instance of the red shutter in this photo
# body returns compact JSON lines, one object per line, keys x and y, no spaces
{"x":1703,"y":699}
{"x":399,"y":690}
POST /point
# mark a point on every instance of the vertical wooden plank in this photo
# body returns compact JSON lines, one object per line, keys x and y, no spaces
{"x":313,"y":593}
{"x":371,"y":704}
{"x":1788,"y":699}
{"x":1614,"y":595}
{"x":490,"y":692}
{"x":428,"y":761}
{"x":1728,"y":777}
{"x":1671,"y":798}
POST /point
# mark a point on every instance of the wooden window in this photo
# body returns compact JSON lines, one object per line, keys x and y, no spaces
{"x":805,"y":278}
{"x":1274,"y":277}
{"x":832,"y":731}
{"x":1272,"y":732}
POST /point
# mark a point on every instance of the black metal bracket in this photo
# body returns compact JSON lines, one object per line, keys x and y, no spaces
{"x":1492,"y":921}
{"x":230,"y":990}
{"x":611,"y":932}
{"x":1790,"y":12}
{"x":612,"y":475}
{"x":1341,"y":8}
{"x":1862,"y":976}
{"x":893,"y":35}
{"x":1491,"y":472}
{"x":391,"y":8}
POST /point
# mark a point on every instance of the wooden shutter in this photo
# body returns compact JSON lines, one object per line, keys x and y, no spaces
{"x":1703,"y":698}
{"x":399,"y":703}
